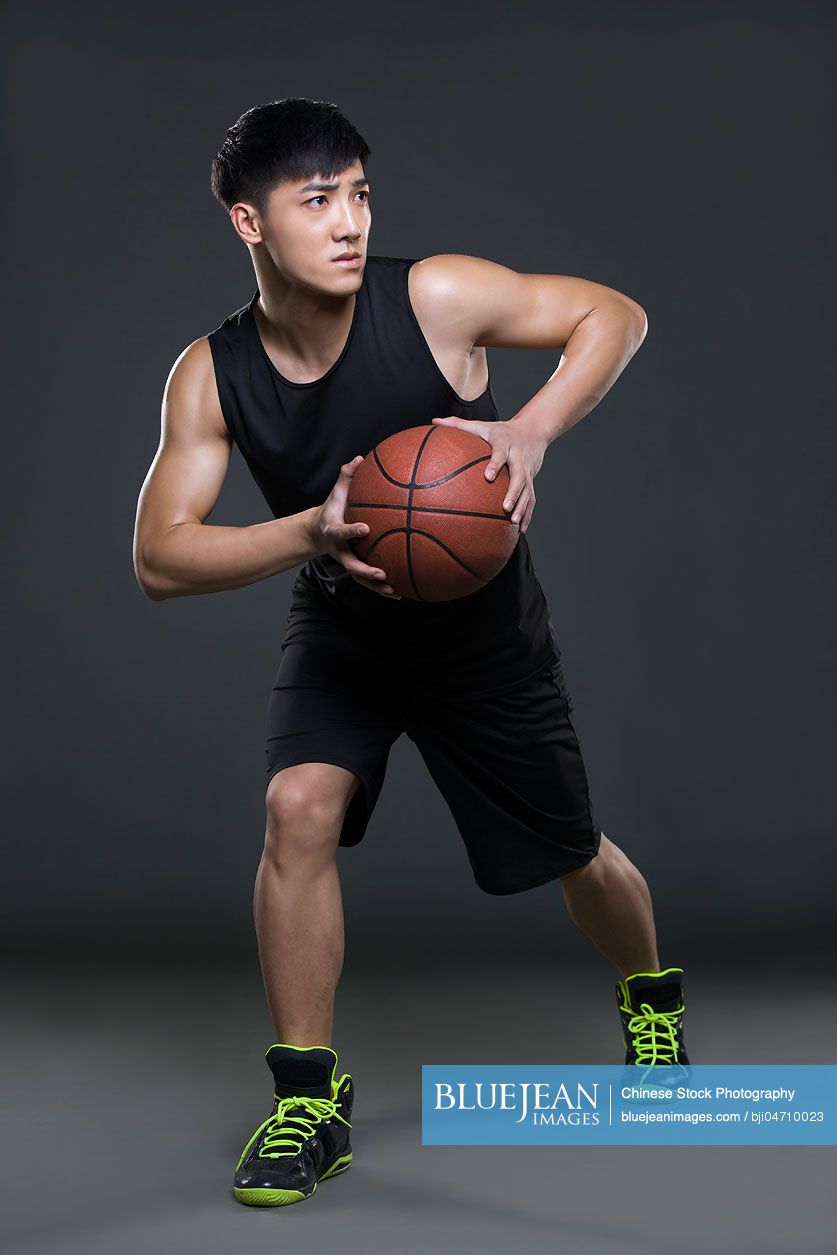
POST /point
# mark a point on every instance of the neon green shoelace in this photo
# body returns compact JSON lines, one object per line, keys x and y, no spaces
{"x":284,"y":1129}
{"x":654,"y":1034}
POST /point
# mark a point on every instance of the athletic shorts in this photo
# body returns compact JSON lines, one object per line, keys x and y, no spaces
{"x":509,"y":765}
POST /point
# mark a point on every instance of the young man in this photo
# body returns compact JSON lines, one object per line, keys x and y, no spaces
{"x":336,"y":350}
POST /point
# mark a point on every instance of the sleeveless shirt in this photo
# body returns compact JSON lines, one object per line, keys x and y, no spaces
{"x":294,"y":437}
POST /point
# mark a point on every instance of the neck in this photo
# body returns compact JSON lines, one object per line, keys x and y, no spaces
{"x":306,"y":325}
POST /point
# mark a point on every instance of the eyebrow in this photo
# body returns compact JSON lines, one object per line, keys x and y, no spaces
{"x":329,"y":187}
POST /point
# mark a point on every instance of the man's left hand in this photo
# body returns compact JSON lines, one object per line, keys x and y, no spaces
{"x":514,"y":444}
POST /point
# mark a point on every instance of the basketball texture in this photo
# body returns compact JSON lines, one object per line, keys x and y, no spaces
{"x":436,"y":525}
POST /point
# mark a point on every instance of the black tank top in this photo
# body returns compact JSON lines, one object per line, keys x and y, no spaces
{"x":294,"y":438}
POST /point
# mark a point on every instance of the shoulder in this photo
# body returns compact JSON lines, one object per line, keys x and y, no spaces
{"x":191,"y":387}
{"x":456,"y":276}
{"x":448,"y":290}
{"x":193,"y":366}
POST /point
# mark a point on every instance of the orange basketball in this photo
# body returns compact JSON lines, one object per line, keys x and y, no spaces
{"x":436,"y":525}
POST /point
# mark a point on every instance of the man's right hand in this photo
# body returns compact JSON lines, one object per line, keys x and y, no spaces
{"x":331,"y":534}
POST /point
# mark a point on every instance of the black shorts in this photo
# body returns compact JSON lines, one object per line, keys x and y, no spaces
{"x":508,"y":765}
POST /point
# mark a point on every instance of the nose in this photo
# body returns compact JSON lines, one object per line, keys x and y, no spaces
{"x":349,"y":227}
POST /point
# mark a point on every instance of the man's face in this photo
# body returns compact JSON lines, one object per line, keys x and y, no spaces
{"x":310,"y":223}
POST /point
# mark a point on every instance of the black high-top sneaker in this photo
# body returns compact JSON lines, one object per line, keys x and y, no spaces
{"x":306,"y":1137}
{"x":651,"y":1007}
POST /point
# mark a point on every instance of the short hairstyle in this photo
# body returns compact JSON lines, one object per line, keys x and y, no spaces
{"x":283,"y":141}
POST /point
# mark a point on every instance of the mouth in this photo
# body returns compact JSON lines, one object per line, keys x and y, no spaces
{"x":349,"y":260}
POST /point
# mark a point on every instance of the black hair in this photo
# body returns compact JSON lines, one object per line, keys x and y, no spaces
{"x":283,"y":141}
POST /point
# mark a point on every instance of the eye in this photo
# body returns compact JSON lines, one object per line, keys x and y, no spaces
{"x":362,"y":192}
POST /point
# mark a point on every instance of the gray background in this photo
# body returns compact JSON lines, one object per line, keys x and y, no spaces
{"x":683,"y":536}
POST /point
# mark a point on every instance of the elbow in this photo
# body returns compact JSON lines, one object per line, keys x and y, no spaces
{"x":152,"y":590}
{"x":153,"y":593}
{"x":150,"y":581}
{"x":638,"y":322}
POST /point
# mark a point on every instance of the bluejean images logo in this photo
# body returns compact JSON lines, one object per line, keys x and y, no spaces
{"x":536,"y":1100}
{"x":575,"y":1104}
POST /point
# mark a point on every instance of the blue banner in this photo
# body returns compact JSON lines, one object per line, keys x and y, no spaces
{"x":553,"y":1104}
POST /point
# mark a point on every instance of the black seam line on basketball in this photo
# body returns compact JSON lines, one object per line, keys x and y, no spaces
{"x":427,"y":509}
{"x":435,"y":483}
{"x":393,"y":531}
{"x":410,"y":492}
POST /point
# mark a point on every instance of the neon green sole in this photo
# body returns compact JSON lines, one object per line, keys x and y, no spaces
{"x":338,"y":1166}
{"x":271,"y":1198}
{"x":281,"y":1198}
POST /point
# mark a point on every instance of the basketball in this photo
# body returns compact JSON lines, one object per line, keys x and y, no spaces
{"x":436,"y":525}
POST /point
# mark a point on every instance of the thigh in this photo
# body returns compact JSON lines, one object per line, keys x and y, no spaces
{"x":511,"y":771}
{"x":329,"y":705}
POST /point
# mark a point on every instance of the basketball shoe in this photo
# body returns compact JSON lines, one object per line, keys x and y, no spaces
{"x":651,"y":1008}
{"x":306,"y":1137}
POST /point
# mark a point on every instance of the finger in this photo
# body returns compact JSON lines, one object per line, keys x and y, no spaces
{"x":520,"y":506}
{"x":498,"y":459}
{"x":373,"y":574}
{"x":517,"y":486}
{"x":348,"y":531}
{"x":340,"y":491}
{"x":386,"y":590}
{"x":341,"y":534}
{"x":472,"y":425}
{"x":355,"y":567}
{"x":527,"y":518}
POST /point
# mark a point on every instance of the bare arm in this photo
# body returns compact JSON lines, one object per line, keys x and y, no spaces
{"x":476,"y":302}
{"x":176,"y":554}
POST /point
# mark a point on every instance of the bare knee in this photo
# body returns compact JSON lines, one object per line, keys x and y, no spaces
{"x":305,"y":807}
{"x":611,"y":863}
{"x":596,"y":868}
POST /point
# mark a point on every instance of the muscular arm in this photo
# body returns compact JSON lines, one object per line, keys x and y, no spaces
{"x":176,"y":554}
{"x":477,"y":302}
